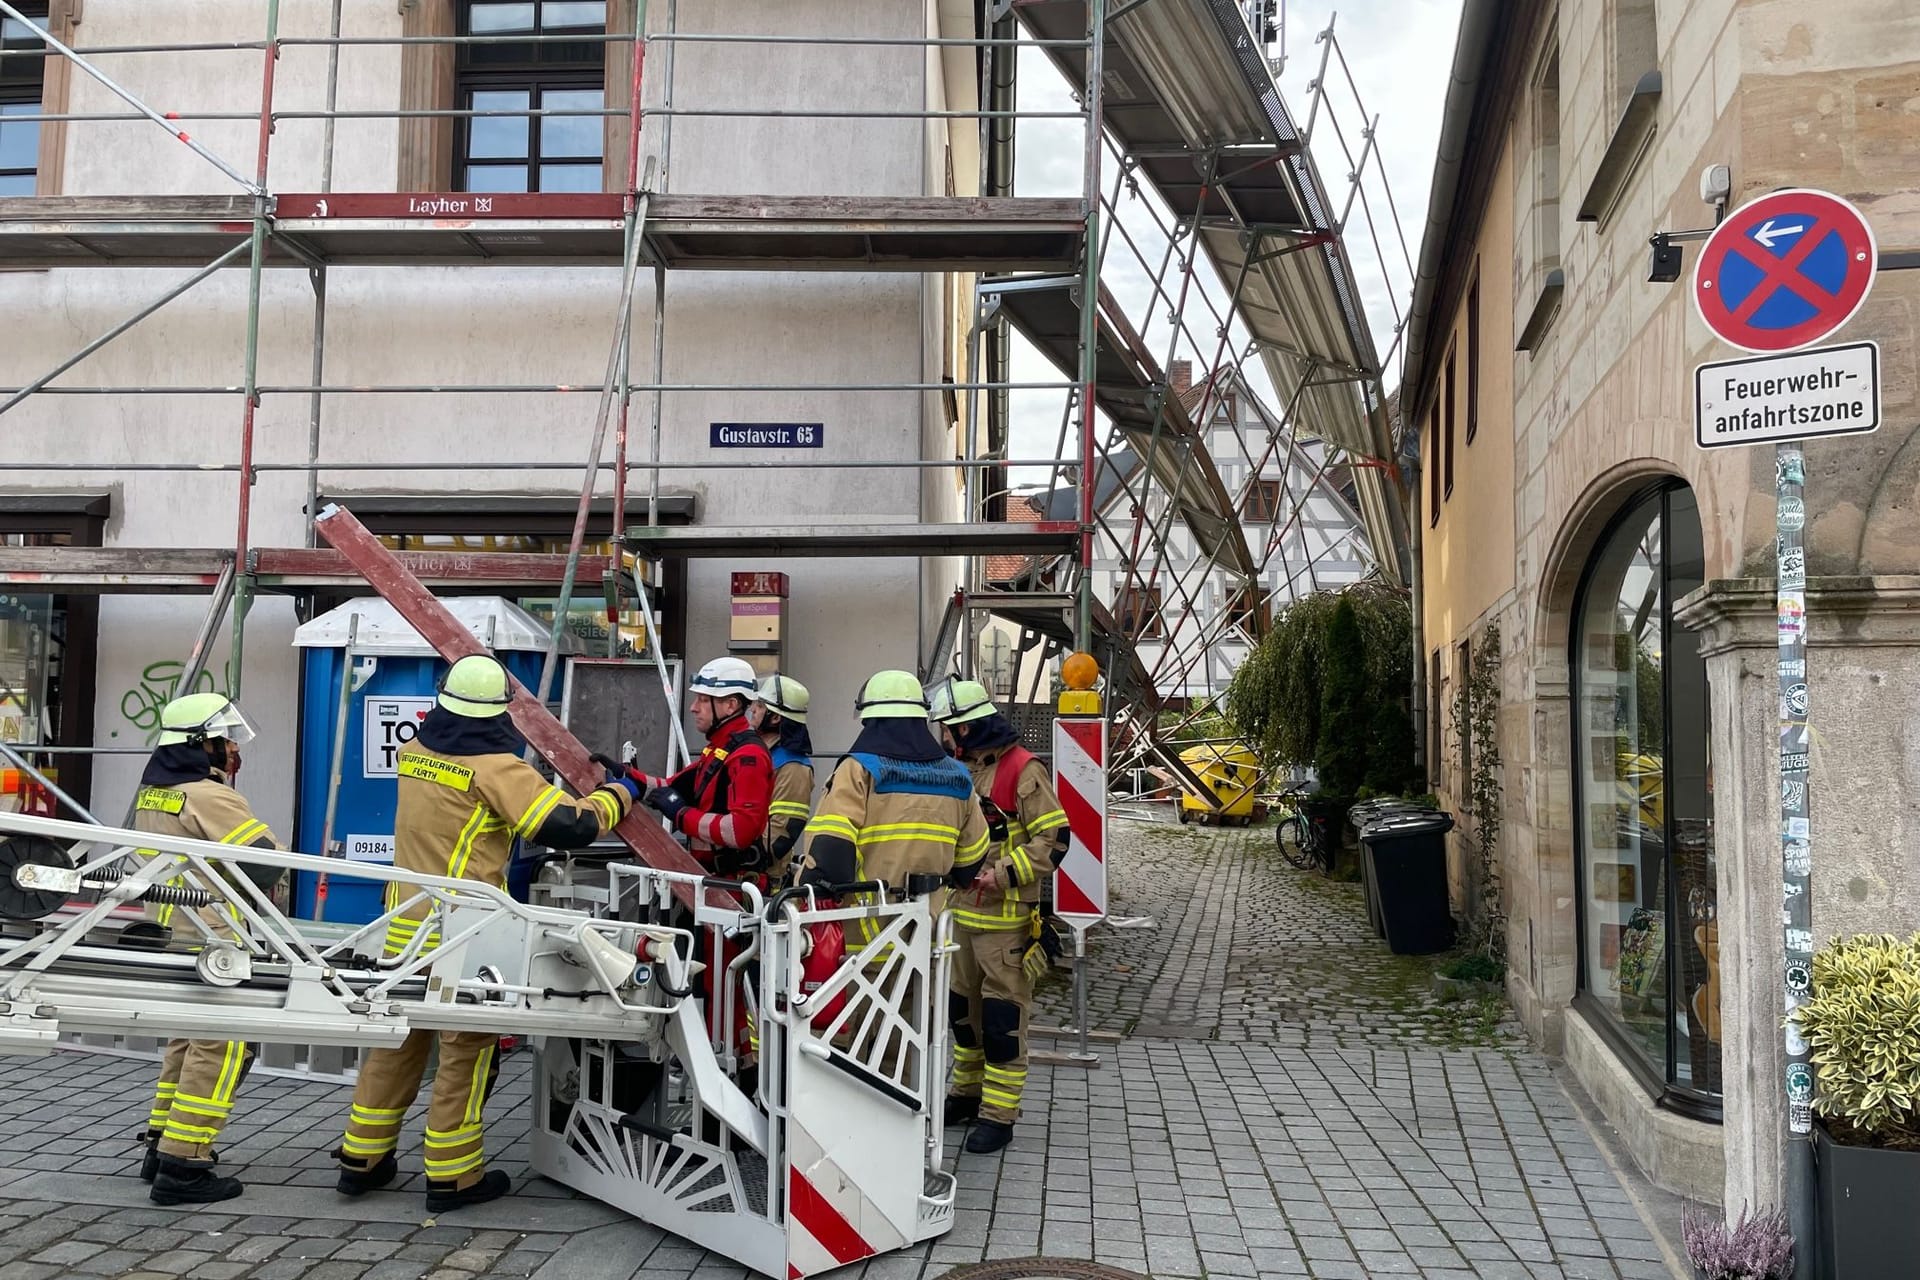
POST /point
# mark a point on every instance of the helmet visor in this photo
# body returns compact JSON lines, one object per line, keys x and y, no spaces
{"x":231,"y":723}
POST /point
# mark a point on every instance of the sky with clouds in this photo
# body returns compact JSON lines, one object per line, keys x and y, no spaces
{"x":1397,"y":54}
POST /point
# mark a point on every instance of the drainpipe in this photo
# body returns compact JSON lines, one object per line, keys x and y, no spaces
{"x":1417,"y":583}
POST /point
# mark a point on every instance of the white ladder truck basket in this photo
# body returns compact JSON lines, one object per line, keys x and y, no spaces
{"x":831,"y":1153}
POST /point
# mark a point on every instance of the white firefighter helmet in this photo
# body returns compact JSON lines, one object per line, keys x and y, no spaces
{"x":726,"y":678}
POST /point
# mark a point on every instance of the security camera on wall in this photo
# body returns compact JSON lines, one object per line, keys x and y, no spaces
{"x":1716,"y":185}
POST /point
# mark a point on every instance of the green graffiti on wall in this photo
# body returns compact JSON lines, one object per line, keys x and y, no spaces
{"x":162,"y":682}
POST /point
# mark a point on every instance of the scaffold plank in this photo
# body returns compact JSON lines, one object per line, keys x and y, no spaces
{"x":1044,"y":537}
{"x":929,"y":233}
{"x":87,"y":570}
{"x":319,"y":567}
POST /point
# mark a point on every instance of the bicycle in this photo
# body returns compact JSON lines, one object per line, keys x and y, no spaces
{"x":1304,"y":840}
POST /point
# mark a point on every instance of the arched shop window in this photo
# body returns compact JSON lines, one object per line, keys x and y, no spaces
{"x":1649,"y":937}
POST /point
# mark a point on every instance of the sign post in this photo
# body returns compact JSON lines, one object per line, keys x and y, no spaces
{"x":1080,"y":779}
{"x":1781,"y":273}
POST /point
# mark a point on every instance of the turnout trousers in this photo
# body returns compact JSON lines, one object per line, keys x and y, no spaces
{"x":987,"y":1009}
{"x":389,"y":1082}
{"x":194,"y":1099}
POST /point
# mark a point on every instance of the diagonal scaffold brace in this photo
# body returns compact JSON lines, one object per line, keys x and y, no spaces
{"x":386,"y":574}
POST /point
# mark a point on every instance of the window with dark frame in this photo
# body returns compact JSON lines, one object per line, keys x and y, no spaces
{"x":71,"y":637}
{"x":22,"y":88}
{"x":514,"y":153}
{"x":1248,"y":610}
{"x":1448,"y":410}
{"x":1546,"y":162}
{"x":1436,"y":718}
{"x":1473,"y":355}
{"x":1262,"y":501}
{"x":1463,"y":727}
{"x":1433,"y":465}
{"x":1140,"y":613}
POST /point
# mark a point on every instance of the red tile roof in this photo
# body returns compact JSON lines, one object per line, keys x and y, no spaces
{"x":1007,"y":568}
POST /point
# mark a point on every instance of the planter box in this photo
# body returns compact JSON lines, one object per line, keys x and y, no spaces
{"x":1868,"y":1228}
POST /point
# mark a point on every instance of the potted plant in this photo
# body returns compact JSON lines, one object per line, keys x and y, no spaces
{"x":1862,"y":1027}
{"x":1758,"y":1248}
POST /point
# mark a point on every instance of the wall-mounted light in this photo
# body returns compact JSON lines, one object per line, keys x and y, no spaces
{"x":1668,"y":259}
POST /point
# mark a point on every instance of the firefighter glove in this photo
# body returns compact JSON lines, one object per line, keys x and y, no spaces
{"x":624,"y":783}
{"x":733,"y":862}
{"x":668,"y":802}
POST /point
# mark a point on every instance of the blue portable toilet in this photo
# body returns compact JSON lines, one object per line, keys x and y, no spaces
{"x":395,"y":675}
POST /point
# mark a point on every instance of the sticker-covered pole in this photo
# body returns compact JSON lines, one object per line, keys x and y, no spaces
{"x":1796,"y":839}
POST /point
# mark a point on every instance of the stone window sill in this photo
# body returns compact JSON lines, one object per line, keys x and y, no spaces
{"x":1545,"y":307}
{"x":1624,"y":149}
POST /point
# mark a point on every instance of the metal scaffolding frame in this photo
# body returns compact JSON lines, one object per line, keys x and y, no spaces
{"x":1174,"y":98}
{"x":1204,"y":131}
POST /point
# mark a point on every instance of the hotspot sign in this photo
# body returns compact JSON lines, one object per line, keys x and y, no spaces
{"x":391,"y":726}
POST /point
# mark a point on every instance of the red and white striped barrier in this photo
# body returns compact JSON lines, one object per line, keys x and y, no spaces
{"x":1080,"y":777}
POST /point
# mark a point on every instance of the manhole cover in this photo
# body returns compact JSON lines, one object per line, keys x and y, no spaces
{"x":1040,"y":1269}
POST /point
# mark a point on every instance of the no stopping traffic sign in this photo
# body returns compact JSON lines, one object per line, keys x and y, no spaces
{"x":1785,"y":270}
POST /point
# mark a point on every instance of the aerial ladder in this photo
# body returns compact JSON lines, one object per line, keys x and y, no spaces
{"x":831,"y":1153}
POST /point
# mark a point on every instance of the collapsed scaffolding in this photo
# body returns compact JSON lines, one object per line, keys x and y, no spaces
{"x":1179,"y":111}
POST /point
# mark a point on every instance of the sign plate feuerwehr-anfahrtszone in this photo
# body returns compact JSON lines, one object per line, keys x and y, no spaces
{"x":1799,"y":395}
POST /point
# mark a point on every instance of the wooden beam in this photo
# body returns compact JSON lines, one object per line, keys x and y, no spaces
{"x":388,"y":575}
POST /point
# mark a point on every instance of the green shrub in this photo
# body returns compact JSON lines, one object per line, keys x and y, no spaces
{"x":1277,"y":696}
{"x":1862,"y":1024}
{"x":1341,"y":757}
{"x":1390,"y":752}
{"x":1476,"y":966}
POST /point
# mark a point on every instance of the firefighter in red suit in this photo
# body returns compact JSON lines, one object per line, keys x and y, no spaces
{"x":719,"y":801}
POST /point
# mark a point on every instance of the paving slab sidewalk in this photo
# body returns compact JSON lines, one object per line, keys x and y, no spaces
{"x":1289,"y":1101}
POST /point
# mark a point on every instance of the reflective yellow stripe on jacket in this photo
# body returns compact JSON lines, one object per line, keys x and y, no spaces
{"x":402,"y":929}
{"x":1010,"y":907}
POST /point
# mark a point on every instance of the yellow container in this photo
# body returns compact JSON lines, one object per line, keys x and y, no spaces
{"x":1232,"y":772}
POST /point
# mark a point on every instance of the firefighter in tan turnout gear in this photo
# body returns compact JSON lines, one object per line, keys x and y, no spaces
{"x":783,"y":728}
{"x":996,"y":922}
{"x":897,"y":809}
{"x":187,"y":790}
{"x":465,"y":795}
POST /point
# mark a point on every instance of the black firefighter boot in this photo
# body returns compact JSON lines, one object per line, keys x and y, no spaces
{"x":150,"y":1159}
{"x":960,"y":1110}
{"x":357,"y":1182}
{"x":178,"y":1181}
{"x":988,"y":1136}
{"x":442,"y":1196}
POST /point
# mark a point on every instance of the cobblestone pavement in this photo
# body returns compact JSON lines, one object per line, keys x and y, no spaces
{"x":1288,"y":1102}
